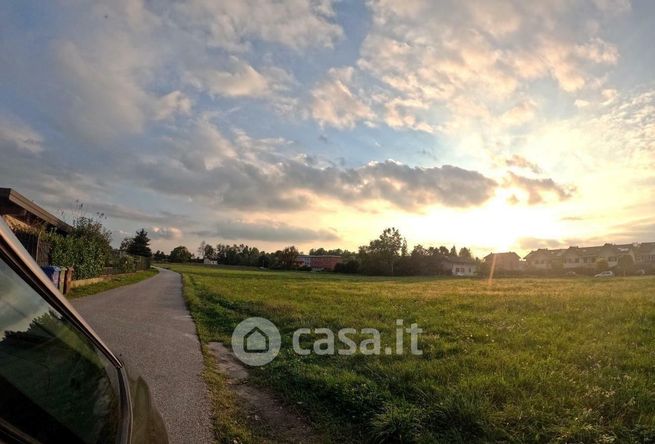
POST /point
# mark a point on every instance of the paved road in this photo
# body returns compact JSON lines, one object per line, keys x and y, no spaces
{"x":148,"y":325}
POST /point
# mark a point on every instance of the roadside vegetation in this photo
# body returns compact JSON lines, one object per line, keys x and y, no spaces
{"x":116,"y":281}
{"x":521,"y":360}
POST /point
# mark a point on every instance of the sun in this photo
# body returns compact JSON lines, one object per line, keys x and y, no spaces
{"x":497,"y":226}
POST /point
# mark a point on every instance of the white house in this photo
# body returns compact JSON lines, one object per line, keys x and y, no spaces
{"x":458,"y":266}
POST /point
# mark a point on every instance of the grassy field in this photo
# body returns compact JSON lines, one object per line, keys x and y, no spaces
{"x":116,"y":281}
{"x":523,"y":360}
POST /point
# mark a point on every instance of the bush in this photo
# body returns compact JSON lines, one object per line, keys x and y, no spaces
{"x":86,"y":249}
{"x":126,"y":264}
{"x":87,"y":258}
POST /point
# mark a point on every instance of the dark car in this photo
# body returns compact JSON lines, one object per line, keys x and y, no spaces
{"x":58,"y":381}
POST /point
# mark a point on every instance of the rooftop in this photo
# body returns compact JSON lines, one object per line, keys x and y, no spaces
{"x":12,"y":203}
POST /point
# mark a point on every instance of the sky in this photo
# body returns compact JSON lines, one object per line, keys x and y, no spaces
{"x":496,"y":125}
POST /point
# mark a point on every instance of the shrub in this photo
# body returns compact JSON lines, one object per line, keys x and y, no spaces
{"x":126,"y":264}
{"x":87,"y":258}
{"x":86,"y":249}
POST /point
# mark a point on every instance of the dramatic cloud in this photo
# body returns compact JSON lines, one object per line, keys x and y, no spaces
{"x":288,"y":184}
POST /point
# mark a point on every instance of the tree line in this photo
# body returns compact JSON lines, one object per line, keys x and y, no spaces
{"x":388,"y":254}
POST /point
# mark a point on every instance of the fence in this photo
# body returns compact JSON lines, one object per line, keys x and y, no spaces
{"x":121,"y":262}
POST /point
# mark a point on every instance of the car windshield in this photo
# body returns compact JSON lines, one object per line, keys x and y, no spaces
{"x":50,"y":374}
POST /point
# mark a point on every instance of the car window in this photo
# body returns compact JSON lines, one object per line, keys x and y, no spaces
{"x":55,"y":385}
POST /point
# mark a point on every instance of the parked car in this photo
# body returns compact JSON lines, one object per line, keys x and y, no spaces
{"x":604,"y":274}
{"x":58,"y":381}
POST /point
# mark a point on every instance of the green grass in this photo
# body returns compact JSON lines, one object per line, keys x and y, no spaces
{"x":523,"y":360}
{"x":116,"y":281}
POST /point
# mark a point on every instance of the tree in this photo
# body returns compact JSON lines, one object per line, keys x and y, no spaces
{"x":201,"y":249}
{"x":125,"y":243}
{"x":209,"y":252}
{"x":330,"y":252}
{"x":288,"y":256}
{"x":140,"y":244}
{"x":206,"y":251}
{"x":159,"y":256}
{"x":387,"y":248}
{"x":93,"y":231}
{"x":453,"y":251}
{"x":180,"y":254}
{"x":419,"y":250}
{"x":443,"y":250}
{"x":465,"y":253}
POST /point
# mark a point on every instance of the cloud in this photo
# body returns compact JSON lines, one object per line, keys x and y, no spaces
{"x":127,"y":213}
{"x":519,"y":114}
{"x":241,"y":80}
{"x":135,"y":98}
{"x":167,"y":233}
{"x":269,"y":231}
{"x":523,"y":163}
{"x":335,"y":104}
{"x":538,"y":190}
{"x":173,"y":103}
{"x":99,"y":95}
{"x":232,"y":25}
{"x":462,"y":68}
{"x":18,"y":135}
{"x":533,"y":243}
{"x":262,"y":179}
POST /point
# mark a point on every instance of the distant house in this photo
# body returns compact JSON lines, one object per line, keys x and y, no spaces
{"x":588,"y":257}
{"x":508,"y":261}
{"x":318,"y":262}
{"x":30,"y":222}
{"x":541,"y":259}
{"x":459,"y":266}
{"x":208,"y":261}
{"x":644,"y":253}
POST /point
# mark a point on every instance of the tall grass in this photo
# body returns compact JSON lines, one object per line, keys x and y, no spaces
{"x":522,"y":360}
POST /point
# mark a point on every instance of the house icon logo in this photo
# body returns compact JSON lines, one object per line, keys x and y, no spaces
{"x":256,"y":341}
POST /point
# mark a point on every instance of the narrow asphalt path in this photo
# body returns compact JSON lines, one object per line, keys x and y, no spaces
{"x":147,"y":324}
